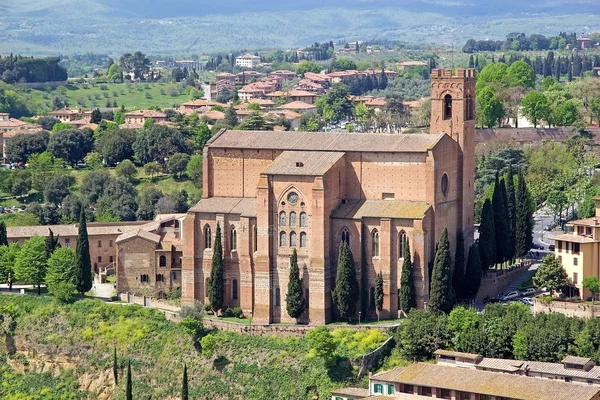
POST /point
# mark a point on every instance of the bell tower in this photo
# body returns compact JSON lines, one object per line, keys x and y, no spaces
{"x":453,"y":113}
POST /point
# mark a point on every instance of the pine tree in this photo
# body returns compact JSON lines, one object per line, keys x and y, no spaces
{"x":346,"y":287}
{"x":294,"y":299}
{"x":487,"y":236}
{"x":379,"y":293}
{"x":408,"y":299}
{"x":115,"y":367}
{"x":231,"y":118}
{"x":511,"y":208}
{"x":129,"y":388}
{"x":441,"y":296}
{"x":523,"y":219}
{"x":458,"y":276}
{"x":3,"y":234}
{"x":216,"y":282}
{"x":84,"y":263}
{"x":51,"y":243}
{"x":96,"y":116}
{"x":184,"y":384}
{"x":473,"y":273}
{"x":500,"y":223}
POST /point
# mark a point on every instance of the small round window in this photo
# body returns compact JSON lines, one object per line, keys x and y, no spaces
{"x":445,"y":184}
{"x":292,"y":198}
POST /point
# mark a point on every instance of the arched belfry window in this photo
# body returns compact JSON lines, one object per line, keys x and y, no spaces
{"x":233,"y":238}
{"x":447,"y":107}
{"x":346,"y":236}
{"x":207,"y":237}
{"x":402,"y":241}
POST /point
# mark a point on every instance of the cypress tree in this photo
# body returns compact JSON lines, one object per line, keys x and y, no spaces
{"x":115,"y":367}
{"x":473,"y":272}
{"x":51,"y":243}
{"x":3,"y":234}
{"x":379,"y":293}
{"x":216,"y":282}
{"x":511,"y":208}
{"x":231,"y":118}
{"x":129,"y":388}
{"x":346,"y":286}
{"x":487,"y":236}
{"x":471,"y":62}
{"x":364,"y":280}
{"x":408,"y":299}
{"x":441,"y":297}
{"x":458,"y":276}
{"x":570,"y":74}
{"x":184,"y":384}
{"x":523,"y":220}
{"x":294,"y":299}
{"x":500,"y":224}
{"x":84,"y":263}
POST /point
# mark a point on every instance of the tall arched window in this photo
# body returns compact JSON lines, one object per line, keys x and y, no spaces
{"x":234,"y":289}
{"x":282,"y":219}
{"x":375,"y":238}
{"x":277,"y":297}
{"x":255,"y":238}
{"x":447,"y":107}
{"x":233,"y":238}
{"x":303,"y":220}
{"x":302,"y":239}
{"x":293,"y":239}
{"x":207,"y":237}
{"x":162,"y":261}
{"x":346,"y":236}
{"x":282,"y":239}
{"x":402,"y":241}
{"x":292,"y":219}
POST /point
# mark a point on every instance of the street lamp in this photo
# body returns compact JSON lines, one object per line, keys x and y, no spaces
{"x":359,"y":314}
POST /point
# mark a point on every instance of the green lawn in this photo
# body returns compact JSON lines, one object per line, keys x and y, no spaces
{"x":132,"y":96}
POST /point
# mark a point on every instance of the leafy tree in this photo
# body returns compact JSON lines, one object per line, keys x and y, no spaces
{"x":178,"y":163}
{"x":129,"y":387}
{"x":566,"y":113}
{"x":8,"y":258}
{"x":254,"y":122}
{"x":47,"y":122}
{"x":421,"y":334}
{"x":490,"y":108}
{"x":194,"y":170}
{"x":3,"y":234}
{"x":126,"y":170}
{"x":93,"y":159}
{"x":115,"y":366}
{"x":71,"y":145}
{"x":523,"y":219}
{"x":592,"y":284}
{"x":116,"y":145}
{"x":441,"y":296}
{"x":184,"y":384}
{"x":535,"y":107}
{"x":115,"y":73}
{"x":345,"y":293}
{"x":551,"y":274}
{"x":19,"y":182}
{"x":379,"y":293}
{"x":57,"y":189}
{"x":96,"y":116}
{"x":294,"y":299}
{"x":147,"y":203}
{"x":231,"y":118}
{"x":321,"y":343}
{"x":152,"y":168}
{"x":21,"y":146}
{"x":158,"y":143}
{"x":487,"y":236}
{"x":118,"y":199}
{"x":308,"y":66}
{"x":461,"y":322}
{"x":93,"y":185}
{"x":137,"y":63}
{"x":458,"y":274}
{"x":546,"y":338}
{"x":335,"y":105}
{"x":216,"y":282}
{"x":595,"y":109}
{"x":83,"y":281}
{"x":30,"y":264}
{"x":472,"y":280}
{"x":520,"y":74}
{"x":44,"y":167}
{"x":61,"y":126}
{"x":62,"y":268}
{"x":491,"y":73}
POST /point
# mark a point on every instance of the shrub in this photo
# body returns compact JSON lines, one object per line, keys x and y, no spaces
{"x":228,"y":312}
{"x":192,"y":326}
{"x":237,"y":312}
{"x":65,"y":292}
{"x":193,"y":311}
{"x":208,"y":344}
{"x":207,"y":307}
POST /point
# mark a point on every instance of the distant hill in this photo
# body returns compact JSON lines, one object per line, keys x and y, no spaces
{"x":178,"y":26}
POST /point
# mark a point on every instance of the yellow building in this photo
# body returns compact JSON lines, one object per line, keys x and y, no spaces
{"x":579,"y":251}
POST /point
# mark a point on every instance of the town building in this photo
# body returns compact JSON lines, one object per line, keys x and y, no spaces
{"x":66,"y":115}
{"x":294,"y":95}
{"x":272,"y":192}
{"x":585,"y":43}
{"x":409,"y":65}
{"x":578,"y":251}
{"x":300,"y":107}
{"x":7,"y":123}
{"x":139,"y":117}
{"x":247,"y":61}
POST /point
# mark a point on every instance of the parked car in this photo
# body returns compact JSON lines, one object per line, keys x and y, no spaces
{"x":527,"y":301}
{"x":491,"y":300}
{"x":528,"y":292}
{"x":511,"y":296}
{"x":551,"y":247}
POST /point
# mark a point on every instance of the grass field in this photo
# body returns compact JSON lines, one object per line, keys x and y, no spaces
{"x":131,"y":95}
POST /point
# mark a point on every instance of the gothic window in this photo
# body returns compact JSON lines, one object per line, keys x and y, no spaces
{"x":346,"y":236}
{"x":277,"y":297}
{"x":293,"y":239}
{"x":303,"y":220}
{"x":282,"y":239}
{"x":447,"y":107}
{"x":292,"y":198}
{"x":402,"y":241}
{"x":255,"y":238}
{"x":292,"y":219}
{"x":234,"y":289}
{"x":207,"y":237}
{"x":375,"y":238}
{"x":445,"y":184}
{"x":282,"y":219}
{"x":162,"y":261}
{"x":233,"y":238}
{"x":303,"y":240}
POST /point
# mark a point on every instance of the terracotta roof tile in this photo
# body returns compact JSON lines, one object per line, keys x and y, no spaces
{"x":351,"y":392}
{"x":357,"y":209}
{"x":313,"y":163}
{"x":244,"y":206}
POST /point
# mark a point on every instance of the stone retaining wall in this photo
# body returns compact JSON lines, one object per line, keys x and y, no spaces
{"x":570,"y":309}
{"x":496,"y":281}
